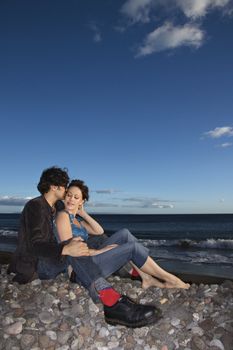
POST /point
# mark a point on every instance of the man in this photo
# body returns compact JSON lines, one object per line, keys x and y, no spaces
{"x":39,"y":253}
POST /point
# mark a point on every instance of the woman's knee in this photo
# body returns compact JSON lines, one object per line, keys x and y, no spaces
{"x":140,"y":249}
{"x":127,"y":235}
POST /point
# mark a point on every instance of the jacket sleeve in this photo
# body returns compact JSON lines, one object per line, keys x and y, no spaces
{"x":39,"y":224}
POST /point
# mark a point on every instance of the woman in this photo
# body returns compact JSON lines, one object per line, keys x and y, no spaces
{"x":113,"y":252}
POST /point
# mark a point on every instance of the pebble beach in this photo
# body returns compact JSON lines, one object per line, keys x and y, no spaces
{"x":59,"y":315}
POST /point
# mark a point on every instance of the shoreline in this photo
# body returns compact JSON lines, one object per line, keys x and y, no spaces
{"x":183,"y":271}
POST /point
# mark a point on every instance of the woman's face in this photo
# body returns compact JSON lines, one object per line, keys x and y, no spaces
{"x":73,"y":199}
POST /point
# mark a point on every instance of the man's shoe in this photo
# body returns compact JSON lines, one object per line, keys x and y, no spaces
{"x":127,"y":312}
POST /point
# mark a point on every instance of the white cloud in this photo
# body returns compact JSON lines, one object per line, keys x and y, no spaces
{"x":97,"y":33}
{"x":141,"y":10}
{"x":199,"y":8}
{"x":162,"y":206}
{"x":13,"y":201}
{"x":101,"y":205}
{"x":225,"y":145}
{"x":146,"y":199}
{"x":105,"y":191}
{"x":220,"y":132}
{"x":169,"y":36}
{"x":137,"y":10}
{"x":148,"y":202}
{"x":134,"y":203}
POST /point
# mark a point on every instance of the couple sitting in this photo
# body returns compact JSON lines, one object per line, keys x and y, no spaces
{"x":50,"y":242}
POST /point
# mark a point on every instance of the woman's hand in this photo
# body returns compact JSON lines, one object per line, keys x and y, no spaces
{"x":93,"y":252}
{"x":81,"y":211}
{"x":90,"y":224}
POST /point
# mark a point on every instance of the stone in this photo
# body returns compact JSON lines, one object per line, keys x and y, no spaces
{"x":52,"y":335}
{"x":113,"y":345}
{"x":46,"y":317}
{"x":63,"y":337}
{"x":36,"y":283}
{"x":15,"y":328}
{"x":85,"y":331}
{"x":227,"y":340}
{"x":104,"y":332}
{"x":27,"y":340}
{"x":175,"y":322}
{"x":197,"y":343}
{"x":44,"y":341}
{"x":72,"y":295}
{"x":49,"y":300}
{"x":217,"y":343}
{"x":77,"y":343}
{"x":207,"y":324}
{"x":163,"y":301}
{"x":197,"y":330}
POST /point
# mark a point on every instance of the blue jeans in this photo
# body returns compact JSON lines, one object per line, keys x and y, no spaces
{"x":86,"y":270}
{"x":128,"y":249}
{"x":90,"y":269}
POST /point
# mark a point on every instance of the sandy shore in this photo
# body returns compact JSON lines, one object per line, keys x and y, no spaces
{"x":59,"y":315}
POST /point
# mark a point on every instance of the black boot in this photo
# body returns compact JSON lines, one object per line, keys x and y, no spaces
{"x":130,"y":314}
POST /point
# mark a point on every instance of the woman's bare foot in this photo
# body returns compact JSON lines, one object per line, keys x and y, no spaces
{"x":150,"y":281}
{"x":176,"y":283}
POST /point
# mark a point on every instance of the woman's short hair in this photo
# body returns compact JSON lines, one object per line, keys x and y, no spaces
{"x":53,"y":176}
{"x":83,"y":188}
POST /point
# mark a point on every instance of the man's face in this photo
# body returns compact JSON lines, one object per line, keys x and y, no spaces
{"x":60,"y":192}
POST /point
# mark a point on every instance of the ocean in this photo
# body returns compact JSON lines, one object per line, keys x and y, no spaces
{"x":200,"y":244}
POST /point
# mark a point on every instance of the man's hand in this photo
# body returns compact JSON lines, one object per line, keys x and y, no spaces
{"x":76,"y":248}
{"x":103,"y":250}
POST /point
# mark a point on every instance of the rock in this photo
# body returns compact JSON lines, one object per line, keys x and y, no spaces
{"x":64,"y":347}
{"x":48,"y":300}
{"x":196,"y":316}
{"x":52,"y":335}
{"x":141,"y":332}
{"x":207,"y":324}
{"x":175,"y":322}
{"x":18,"y":312}
{"x":46,"y":317}
{"x":10,"y":344}
{"x":27,"y":341}
{"x":15,"y":328}
{"x":64,"y":326}
{"x":163,"y":301}
{"x":217,"y":343}
{"x":36,"y":283}
{"x":85,"y":331}
{"x":197,"y":330}
{"x":44,"y":341}
{"x":7,"y":321}
{"x":72,"y":296}
{"x":63,"y":337}
{"x":77,"y":343}
{"x":113,"y":345}
{"x":104,"y":332}
{"x":197,"y":343}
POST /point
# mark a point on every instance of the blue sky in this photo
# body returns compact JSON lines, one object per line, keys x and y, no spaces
{"x":135,"y":97}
